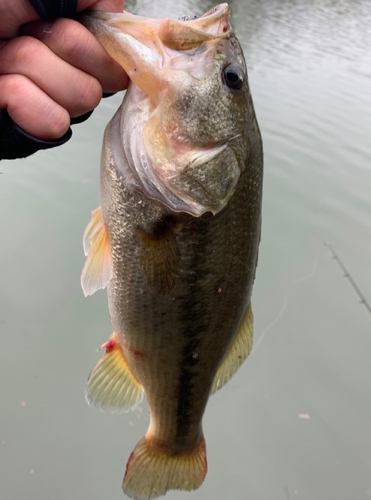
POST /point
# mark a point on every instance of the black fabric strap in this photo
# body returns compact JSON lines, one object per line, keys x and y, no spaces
{"x":81,"y":118}
{"x":51,"y":9}
{"x":16,"y":143}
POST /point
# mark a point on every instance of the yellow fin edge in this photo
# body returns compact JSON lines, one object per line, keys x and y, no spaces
{"x":96,"y":272}
{"x":152,"y":469}
{"x":111,"y":385}
{"x":237,"y":352}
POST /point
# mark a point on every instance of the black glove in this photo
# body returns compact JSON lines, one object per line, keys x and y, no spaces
{"x":51,"y":9}
{"x":16,"y":143}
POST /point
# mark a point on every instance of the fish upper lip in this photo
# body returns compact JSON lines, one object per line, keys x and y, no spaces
{"x":214,"y":24}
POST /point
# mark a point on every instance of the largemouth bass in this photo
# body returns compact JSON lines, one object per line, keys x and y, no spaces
{"x":176,"y":237}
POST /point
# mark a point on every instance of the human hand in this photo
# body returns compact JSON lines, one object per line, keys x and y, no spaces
{"x":55,"y":70}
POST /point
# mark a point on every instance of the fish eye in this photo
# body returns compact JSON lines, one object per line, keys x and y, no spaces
{"x":233,"y":76}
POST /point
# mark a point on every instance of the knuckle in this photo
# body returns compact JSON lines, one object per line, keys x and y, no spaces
{"x":90,"y":93}
{"x":58,"y":121}
{"x":20,"y":52}
{"x":16,"y":87}
{"x":26,"y":103}
{"x":73,"y":39}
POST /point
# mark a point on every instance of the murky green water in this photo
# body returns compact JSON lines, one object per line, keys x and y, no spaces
{"x":295,"y":421}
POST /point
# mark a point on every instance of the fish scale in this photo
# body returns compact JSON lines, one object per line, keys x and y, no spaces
{"x":176,"y":238}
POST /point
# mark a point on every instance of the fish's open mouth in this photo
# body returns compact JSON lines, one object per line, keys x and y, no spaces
{"x":135,"y":42}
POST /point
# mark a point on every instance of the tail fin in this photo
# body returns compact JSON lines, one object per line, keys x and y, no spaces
{"x":152,"y":470}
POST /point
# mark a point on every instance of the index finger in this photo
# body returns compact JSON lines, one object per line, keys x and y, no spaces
{"x":74,"y":44}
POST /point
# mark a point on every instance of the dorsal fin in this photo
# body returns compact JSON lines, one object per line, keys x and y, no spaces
{"x":237,"y":352}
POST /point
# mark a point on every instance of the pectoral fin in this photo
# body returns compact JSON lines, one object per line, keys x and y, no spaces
{"x":111,"y":385}
{"x":96,"y":272}
{"x":237,"y":353}
{"x":159,"y":257}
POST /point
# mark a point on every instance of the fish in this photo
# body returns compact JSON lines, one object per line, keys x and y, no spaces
{"x":175,"y":239}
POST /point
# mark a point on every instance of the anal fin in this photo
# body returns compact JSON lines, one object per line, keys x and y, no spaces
{"x":111,"y":385}
{"x":237,"y":352}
